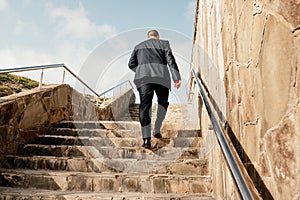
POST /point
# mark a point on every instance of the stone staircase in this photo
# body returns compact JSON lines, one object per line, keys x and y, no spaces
{"x":105,"y":160}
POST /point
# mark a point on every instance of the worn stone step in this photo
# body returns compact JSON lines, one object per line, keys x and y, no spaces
{"x":178,"y":133}
{"x":109,"y":132}
{"x":54,"y":150}
{"x":100,"y":141}
{"x":167,"y":153}
{"x":137,"y":142}
{"x":186,"y":141}
{"x":133,"y":127}
{"x":9,"y":193}
{"x":103,"y":124}
{"x":89,"y":132}
{"x":169,"y":129}
{"x":79,"y":125}
{"x":129,"y":118}
{"x":96,"y":182}
{"x":110,"y":152}
{"x":71,"y":140}
{"x":127,"y":125}
{"x":189,"y":133}
{"x":175,"y":166}
{"x":98,"y":125}
{"x":118,"y":133}
{"x":56,"y":163}
{"x":83,"y":151}
{"x":171,"y":124}
{"x":112,"y":157}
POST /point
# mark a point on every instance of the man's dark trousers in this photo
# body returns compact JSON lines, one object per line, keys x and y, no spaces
{"x":146,"y":92}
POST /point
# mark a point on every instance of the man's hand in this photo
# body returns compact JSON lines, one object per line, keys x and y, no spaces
{"x":177,"y":84}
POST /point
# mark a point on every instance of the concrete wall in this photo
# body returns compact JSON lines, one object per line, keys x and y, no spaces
{"x":248,"y":54}
{"x":26,"y":114}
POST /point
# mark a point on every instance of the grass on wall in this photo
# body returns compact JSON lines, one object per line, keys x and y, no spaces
{"x":11,"y":84}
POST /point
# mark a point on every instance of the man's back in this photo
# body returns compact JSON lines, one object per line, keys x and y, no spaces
{"x":152,"y":51}
{"x":149,"y":60}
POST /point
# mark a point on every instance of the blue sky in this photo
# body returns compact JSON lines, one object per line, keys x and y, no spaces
{"x":35,"y":32}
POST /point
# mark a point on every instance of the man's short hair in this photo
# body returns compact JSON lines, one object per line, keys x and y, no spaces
{"x":153,"y":33}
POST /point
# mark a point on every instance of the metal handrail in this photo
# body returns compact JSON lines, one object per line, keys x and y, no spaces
{"x":106,"y":91}
{"x":233,"y":166}
{"x":42,"y":67}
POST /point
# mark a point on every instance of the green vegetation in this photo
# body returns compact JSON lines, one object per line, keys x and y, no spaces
{"x":10,"y":84}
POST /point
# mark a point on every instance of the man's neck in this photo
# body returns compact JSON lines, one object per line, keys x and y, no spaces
{"x":153,"y":37}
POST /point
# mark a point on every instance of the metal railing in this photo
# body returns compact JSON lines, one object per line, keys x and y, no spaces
{"x":42,"y":67}
{"x":233,"y":166}
{"x":53,"y":66}
{"x":113,"y":88}
{"x":117,"y":89}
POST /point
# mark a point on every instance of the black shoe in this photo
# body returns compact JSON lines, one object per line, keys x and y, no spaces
{"x":157,"y":135}
{"x":147,"y":143}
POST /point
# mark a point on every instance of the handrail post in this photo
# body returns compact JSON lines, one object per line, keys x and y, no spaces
{"x":63,"y":78}
{"x":41,"y":79}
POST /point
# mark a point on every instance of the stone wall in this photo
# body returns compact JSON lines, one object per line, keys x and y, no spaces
{"x":248,"y":54}
{"x":26,"y":114}
{"x":114,"y":109}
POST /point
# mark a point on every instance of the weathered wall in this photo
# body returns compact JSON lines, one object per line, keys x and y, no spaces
{"x":248,"y":54}
{"x":114,"y":109}
{"x":26,"y":114}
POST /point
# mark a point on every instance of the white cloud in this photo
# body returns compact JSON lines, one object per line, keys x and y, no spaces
{"x":3,"y":4}
{"x":22,"y":26}
{"x":20,"y":56}
{"x":75,"y":24}
{"x":73,"y":29}
{"x":190,"y":11}
{"x":26,"y":56}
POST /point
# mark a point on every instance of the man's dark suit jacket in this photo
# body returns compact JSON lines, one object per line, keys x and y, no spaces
{"x":149,"y":61}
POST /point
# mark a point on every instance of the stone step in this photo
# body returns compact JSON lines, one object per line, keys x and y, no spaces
{"x":89,"y":132}
{"x":175,"y":166}
{"x":9,"y":193}
{"x":71,"y":140}
{"x":189,"y":133}
{"x":129,"y":118}
{"x":54,"y":150}
{"x":119,"y":133}
{"x":99,"y":182}
{"x":79,"y":125}
{"x":186,"y":141}
{"x":95,"y":132}
{"x":171,"y":124}
{"x":115,"y":142}
{"x":98,"y":125}
{"x":117,"y":125}
{"x":55,"y":163}
{"x":168,"y":153}
{"x":91,"y":141}
{"x":109,"y":152}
